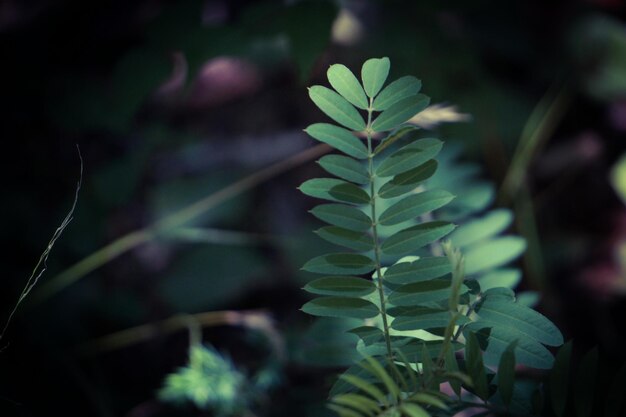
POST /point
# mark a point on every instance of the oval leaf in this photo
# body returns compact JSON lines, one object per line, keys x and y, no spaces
{"x":344,"y":216}
{"x":341,"y":286}
{"x":421,"y":293}
{"x":475,"y":230}
{"x":336,"y":107}
{"x":345,"y":168}
{"x":398,"y":90}
{"x":346,"y":84}
{"x":409,"y":157}
{"x":408,"y":181}
{"x":374,"y":74}
{"x":341,"y":307}
{"x":339,"y":138}
{"x":340,"y":264}
{"x":414,"y":206}
{"x":506,"y":374}
{"x":335,"y":190}
{"x":421,"y":270}
{"x":413,"y":238}
{"x":352,"y":240}
{"x":400,"y":112}
{"x":500,"y":312}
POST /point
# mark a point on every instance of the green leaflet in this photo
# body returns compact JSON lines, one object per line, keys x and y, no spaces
{"x":527,"y":352}
{"x":409,"y":157}
{"x":503,"y":293}
{"x":399,"y":89}
{"x":341,"y":286}
{"x":414,"y":206}
{"x":374,"y":74}
{"x":408,"y":181}
{"x":335,"y":190}
{"x":336,"y":107}
{"x":359,"y":382}
{"x":394,"y":136}
{"x":343,"y":216}
{"x":340,"y":264}
{"x":400,"y":112}
{"x":475,"y":367}
{"x":421,"y":270}
{"x":346,"y":84}
{"x":339,"y":138}
{"x":413,"y":238}
{"x":493,"y":253}
{"x":352,"y":240}
{"x":424,"y":318}
{"x":413,"y":410}
{"x":491,"y":224}
{"x":341,"y":307}
{"x":421,"y":293}
{"x":343,"y":411}
{"x":506,"y":374}
{"x":525,"y":321}
{"x":368,"y":334}
{"x":506,"y":277}
{"x":345,"y":168}
{"x":358,"y":402}
{"x":559,"y":379}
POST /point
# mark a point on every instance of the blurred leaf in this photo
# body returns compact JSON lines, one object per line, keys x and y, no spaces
{"x":341,"y":286}
{"x":559,"y":379}
{"x":618,"y":177}
{"x":506,"y":374}
{"x":585,"y":386}
{"x":493,"y":253}
{"x":352,"y":240}
{"x":475,"y":367}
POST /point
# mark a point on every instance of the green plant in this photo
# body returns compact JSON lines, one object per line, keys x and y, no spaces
{"x":418,"y":310}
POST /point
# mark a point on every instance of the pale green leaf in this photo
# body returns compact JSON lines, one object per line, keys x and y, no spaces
{"x":429,"y":399}
{"x":493,"y":253}
{"x":341,"y":286}
{"x":335,"y":190}
{"x":337,"y":107}
{"x":344,"y":216}
{"x":398,"y":90}
{"x":408,"y":181}
{"x":339,"y":138}
{"x":420,"y":270}
{"x":341,"y":307}
{"x":365,"y":386}
{"x":344,"y":411}
{"x":358,"y":402}
{"x":340,"y":264}
{"x":346,"y":84}
{"x":379,"y":371}
{"x":413,"y":238}
{"x":476,"y":230}
{"x":347,"y":238}
{"x":409,"y":157}
{"x":374,"y":74}
{"x":506,"y":277}
{"x":414,"y":206}
{"x":400,"y":112}
{"x":345,"y":168}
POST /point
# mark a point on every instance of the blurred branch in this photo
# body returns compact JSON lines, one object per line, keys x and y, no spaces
{"x":541,"y":124}
{"x":177,"y":219}
{"x":253,"y":319}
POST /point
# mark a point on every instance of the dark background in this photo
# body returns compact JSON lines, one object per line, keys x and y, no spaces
{"x":172,"y":101}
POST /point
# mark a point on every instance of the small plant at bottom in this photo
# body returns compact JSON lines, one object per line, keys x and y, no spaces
{"x":422,"y":321}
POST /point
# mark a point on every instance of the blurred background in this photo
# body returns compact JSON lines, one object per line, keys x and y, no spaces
{"x":189,"y":119}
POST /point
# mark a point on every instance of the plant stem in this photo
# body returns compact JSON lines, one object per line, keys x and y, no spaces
{"x":379,"y":275}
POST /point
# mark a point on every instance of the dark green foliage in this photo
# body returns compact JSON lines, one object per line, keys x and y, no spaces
{"x":418,"y":307}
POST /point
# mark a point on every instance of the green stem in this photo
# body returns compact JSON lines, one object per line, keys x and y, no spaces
{"x":379,"y":275}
